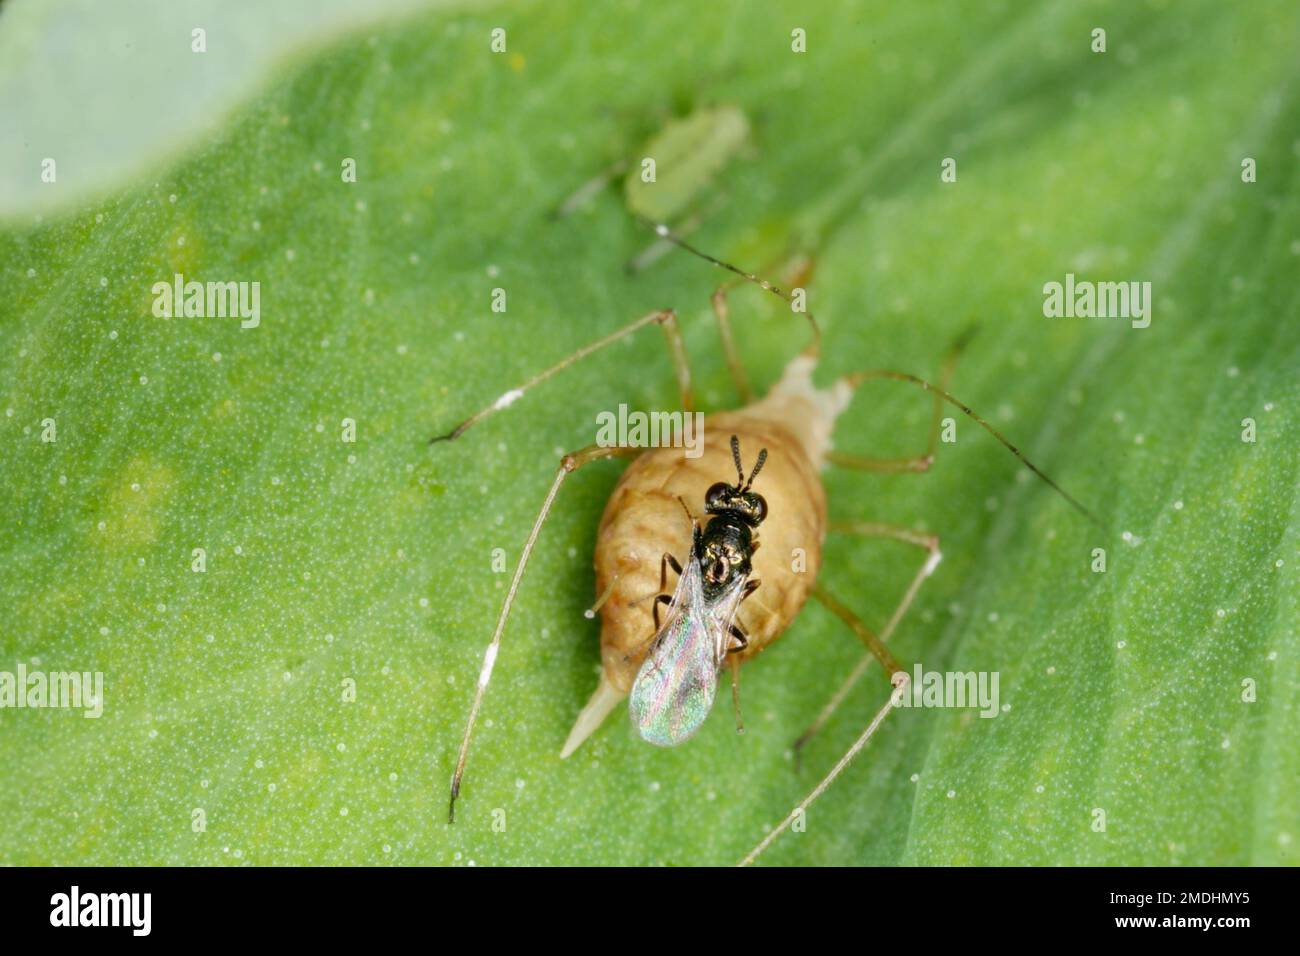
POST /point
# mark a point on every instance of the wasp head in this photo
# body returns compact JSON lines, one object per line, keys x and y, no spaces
{"x":727,"y":499}
{"x":737,"y":500}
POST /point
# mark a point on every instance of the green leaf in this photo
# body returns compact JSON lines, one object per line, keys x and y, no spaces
{"x":371,"y":561}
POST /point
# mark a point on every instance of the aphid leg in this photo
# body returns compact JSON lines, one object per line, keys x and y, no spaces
{"x":873,"y":529}
{"x":666,"y":318}
{"x":900,"y":680}
{"x":897,"y":676}
{"x":868,"y":637}
{"x":568,"y":464}
{"x":797,"y":276}
{"x":857,"y":378}
{"x":921,"y":462}
{"x":941,"y":395}
{"x":584,"y":193}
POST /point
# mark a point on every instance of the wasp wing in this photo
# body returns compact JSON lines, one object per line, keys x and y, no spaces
{"x":675,"y":686}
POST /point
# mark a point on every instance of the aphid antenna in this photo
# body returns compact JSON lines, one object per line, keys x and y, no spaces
{"x":663,"y":232}
{"x":857,"y":378}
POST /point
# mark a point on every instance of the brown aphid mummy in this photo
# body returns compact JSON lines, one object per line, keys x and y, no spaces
{"x":644,"y":520}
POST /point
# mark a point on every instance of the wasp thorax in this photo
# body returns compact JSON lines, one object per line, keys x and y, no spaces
{"x":725,"y":552}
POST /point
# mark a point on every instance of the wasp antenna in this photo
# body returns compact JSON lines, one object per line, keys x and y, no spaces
{"x":664,"y":232}
{"x":758,"y":466}
{"x":735,"y":454}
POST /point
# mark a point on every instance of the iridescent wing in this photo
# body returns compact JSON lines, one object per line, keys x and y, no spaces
{"x":674,"y":689}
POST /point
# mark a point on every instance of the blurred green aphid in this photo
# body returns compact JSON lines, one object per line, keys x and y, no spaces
{"x":680,"y":162}
{"x":668,"y":182}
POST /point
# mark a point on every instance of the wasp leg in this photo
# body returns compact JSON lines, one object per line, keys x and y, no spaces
{"x":666,"y":562}
{"x":798,"y":272}
{"x":665,"y":318}
{"x":660,"y":599}
{"x":737,"y":629}
{"x":735,"y":687}
{"x":568,"y":464}
{"x":916,"y":463}
{"x":873,"y":529}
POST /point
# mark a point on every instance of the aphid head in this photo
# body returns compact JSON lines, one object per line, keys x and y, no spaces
{"x":737,"y":500}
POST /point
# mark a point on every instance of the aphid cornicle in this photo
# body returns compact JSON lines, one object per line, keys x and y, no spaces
{"x":732,"y":598}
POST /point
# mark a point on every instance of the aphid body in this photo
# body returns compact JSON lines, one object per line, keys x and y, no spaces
{"x":644,"y":520}
{"x":688,"y":152}
{"x":670,"y":180}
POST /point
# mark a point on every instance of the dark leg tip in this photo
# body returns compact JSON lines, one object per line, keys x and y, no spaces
{"x":450,"y":436}
{"x":797,"y":747}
